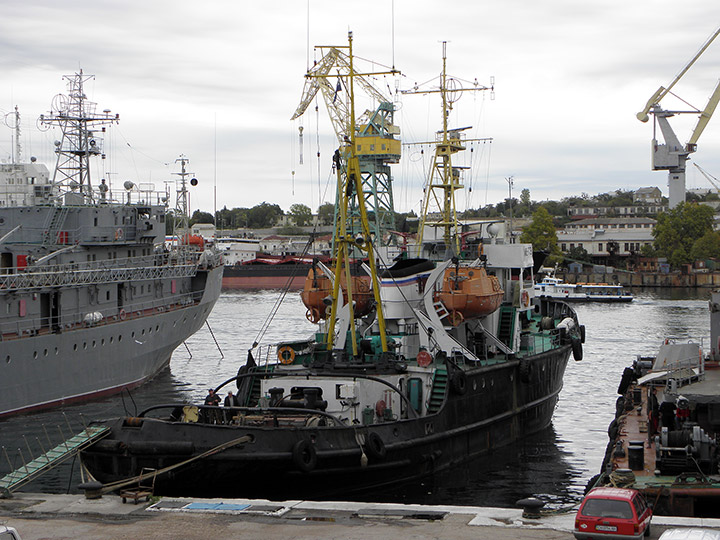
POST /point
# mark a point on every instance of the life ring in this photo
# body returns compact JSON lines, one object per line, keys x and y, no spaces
{"x":286,"y":354}
{"x":312,"y":315}
{"x":524,"y":299}
{"x":424,"y":358}
{"x":458,"y":382}
{"x":118,"y":234}
{"x":375,"y":447}
{"x":122,"y":314}
{"x":304,"y":455}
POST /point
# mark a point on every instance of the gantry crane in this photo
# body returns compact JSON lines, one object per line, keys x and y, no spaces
{"x":673,"y":155}
{"x":377,"y":138}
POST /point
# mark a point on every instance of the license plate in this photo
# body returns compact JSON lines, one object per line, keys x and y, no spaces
{"x":608,"y":528}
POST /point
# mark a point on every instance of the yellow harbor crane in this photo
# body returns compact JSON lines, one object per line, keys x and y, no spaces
{"x":673,"y":155}
{"x":377,"y":143}
{"x":378,"y":133}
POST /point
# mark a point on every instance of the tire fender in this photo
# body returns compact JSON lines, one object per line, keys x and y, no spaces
{"x":375,"y":447}
{"x":304,"y":455}
{"x":458,"y":383}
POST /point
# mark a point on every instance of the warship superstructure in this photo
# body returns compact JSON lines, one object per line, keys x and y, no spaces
{"x":92,"y":300}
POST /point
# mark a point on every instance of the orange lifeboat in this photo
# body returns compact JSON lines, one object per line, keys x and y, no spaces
{"x":468,"y":293}
{"x":318,"y":287}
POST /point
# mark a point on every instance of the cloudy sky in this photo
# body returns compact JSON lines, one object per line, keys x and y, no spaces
{"x":219,"y":80}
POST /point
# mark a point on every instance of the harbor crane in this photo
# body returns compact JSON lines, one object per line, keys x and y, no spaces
{"x":709,"y":177}
{"x":376,"y":136}
{"x":672,"y":156}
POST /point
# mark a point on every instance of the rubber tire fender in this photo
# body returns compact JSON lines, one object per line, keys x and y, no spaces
{"x":582,"y":333}
{"x":458,"y":383}
{"x":577,"y":350}
{"x":304,"y":455}
{"x":375,"y":447}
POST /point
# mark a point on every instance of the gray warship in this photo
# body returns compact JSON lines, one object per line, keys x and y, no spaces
{"x":92,"y":299}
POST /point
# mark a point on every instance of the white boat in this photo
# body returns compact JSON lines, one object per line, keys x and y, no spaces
{"x":556,"y":288}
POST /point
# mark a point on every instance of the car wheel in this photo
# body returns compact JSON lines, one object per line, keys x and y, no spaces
{"x":647,"y":531}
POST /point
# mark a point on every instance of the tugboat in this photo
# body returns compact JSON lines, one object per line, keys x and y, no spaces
{"x":404,"y":390}
{"x":664,"y":439}
{"x":91,"y":299}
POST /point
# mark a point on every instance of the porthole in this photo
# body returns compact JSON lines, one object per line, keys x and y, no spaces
{"x":132,"y":335}
{"x":45,"y":352}
{"x":102,"y":342}
{"x":84,"y":344}
{"x":35,"y":355}
{"x":56,"y":351}
{"x":143,"y":332}
{"x":7,"y":359}
{"x":119,"y":338}
{"x":75,"y":347}
{"x":157,"y":328}
{"x":94,"y":343}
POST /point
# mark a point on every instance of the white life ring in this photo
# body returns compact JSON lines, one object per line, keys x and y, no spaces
{"x":524,"y":299}
{"x":119,"y":234}
{"x":122,"y":314}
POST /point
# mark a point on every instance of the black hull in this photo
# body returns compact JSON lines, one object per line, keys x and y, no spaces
{"x":500,"y":405}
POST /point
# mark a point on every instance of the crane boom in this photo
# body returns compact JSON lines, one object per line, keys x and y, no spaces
{"x":672,"y":155}
{"x":663,"y":91}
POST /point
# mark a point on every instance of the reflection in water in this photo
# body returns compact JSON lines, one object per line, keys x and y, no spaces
{"x":555,"y":464}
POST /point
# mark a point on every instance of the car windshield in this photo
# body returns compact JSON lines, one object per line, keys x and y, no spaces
{"x":607,"y":508}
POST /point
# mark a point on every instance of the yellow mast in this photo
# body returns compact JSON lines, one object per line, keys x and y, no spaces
{"x":349,"y":185}
{"x":444,"y":179}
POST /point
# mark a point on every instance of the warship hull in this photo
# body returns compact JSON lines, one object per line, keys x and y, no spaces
{"x":51,"y":368}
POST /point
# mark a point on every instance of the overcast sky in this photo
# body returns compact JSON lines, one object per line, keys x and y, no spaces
{"x":218,"y":82}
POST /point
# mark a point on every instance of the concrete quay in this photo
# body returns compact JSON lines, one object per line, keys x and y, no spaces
{"x":43,"y":516}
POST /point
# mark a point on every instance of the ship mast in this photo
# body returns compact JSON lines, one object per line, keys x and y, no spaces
{"x":75,"y":115}
{"x":181,"y":219}
{"x":350,"y":193}
{"x":444,"y":179}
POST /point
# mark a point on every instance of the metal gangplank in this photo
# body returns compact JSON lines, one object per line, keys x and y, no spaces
{"x":51,"y":458}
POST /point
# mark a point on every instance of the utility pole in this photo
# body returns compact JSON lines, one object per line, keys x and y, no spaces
{"x":510,"y":186}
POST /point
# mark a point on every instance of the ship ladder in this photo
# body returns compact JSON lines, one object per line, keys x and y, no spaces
{"x":439,"y":387}
{"x":507,"y":322}
{"x":441,"y":311}
{"x":55,"y":220}
{"x":50,"y":459}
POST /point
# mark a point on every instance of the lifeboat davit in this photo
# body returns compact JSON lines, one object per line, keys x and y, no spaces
{"x":469,"y":292}
{"x":318,"y":290}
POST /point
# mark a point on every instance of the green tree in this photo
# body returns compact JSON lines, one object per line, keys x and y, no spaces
{"x":578,"y":253}
{"x":706,"y":247}
{"x":263,"y":215}
{"x":542,"y":235}
{"x":301,"y":214}
{"x":678,"y":229}
{"x":525,"y":197}
{"x":201,"y":217}
{"x":326,"y":213}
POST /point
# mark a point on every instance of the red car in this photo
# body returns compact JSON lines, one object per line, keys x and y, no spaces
{"x":613,"y":513}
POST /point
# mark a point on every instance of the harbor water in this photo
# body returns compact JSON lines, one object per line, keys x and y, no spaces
{"x":554,"y":465}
